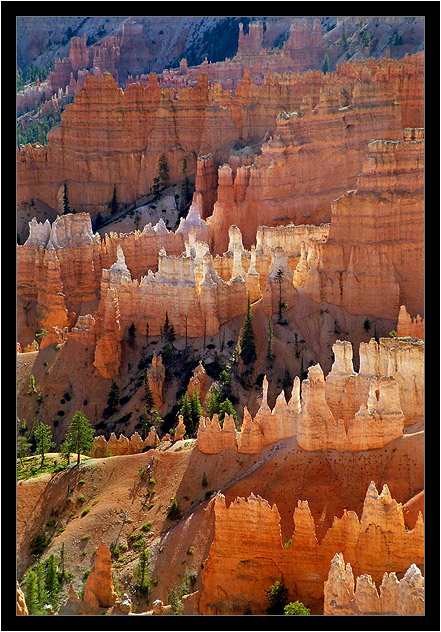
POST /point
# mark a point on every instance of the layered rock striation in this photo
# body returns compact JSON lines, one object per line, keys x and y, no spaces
{"x":236,"y":573}
{"x":375,"y":245}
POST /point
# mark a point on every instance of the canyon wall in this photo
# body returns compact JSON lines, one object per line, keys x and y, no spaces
{"x":345,"y":596}
{"x":123,"y":128}
{"x":375,"y":245}
{"x":237,"y":573}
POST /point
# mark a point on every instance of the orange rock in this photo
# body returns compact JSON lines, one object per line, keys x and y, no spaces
{"x":99,"y":587}
{"x":156,"y":379}
{"x":241,"y":573}
{"x":407,"y":326}
{"x":22,"y":608}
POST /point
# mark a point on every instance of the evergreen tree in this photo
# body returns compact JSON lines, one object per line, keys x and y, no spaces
{"x":142,"y":572}
{"x":113,"y":398}
{"x":326,"y":65}
{"x":63,"y":574}
{"x":196,"y":409}
{"x":282,"y":306}
{"x":277,"y":597}
{"x":114,"y":202}
{"x":365,"y":38}
{"x":43,"y":438}
{"x":269,"y":353}
{"x":148,"y":395}
{"x":132,"y":334}
{"x":247,"y":345}
{"x":23,"y":448}
{"x":168,"y":330}
{"x":226,"y":408}
{"x":163,"y":171}
{"x":41,"y":589}
{"x":65,"y":200}
{"x":186,"y":410}
{"x":147,"y":332}
{"x":80,"y":435}
{"x":213,"y":405}
{"x":51,"y":579}
{"x":31,"y":593}
{"x":344,"y":38}
{"x":66,"y":451}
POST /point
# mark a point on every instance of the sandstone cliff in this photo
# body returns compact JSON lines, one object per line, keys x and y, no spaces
{"x":236,"y":575}
{"x":202,"y":119}
{"x":376,"y":238}
{"x":346,"y":596}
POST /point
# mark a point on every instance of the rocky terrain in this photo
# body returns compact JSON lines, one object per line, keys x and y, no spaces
{"x":181,"y":204}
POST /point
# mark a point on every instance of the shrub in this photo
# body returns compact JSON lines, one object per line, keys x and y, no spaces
{"x":86,"y":511}
{"x":146,"y":526}
{"x":81,"y":499}
{"x":296,"y":607}
{"x":277,"y":597}
{"x":173,"y":511}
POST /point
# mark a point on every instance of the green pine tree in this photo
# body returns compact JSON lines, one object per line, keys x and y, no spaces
{"x":23,"y":448}
{"x":43,"y":438}
{"x":196,"y":410}
{"x":80,"y":435}
{"x":148,"y":395}
{"x":31,"y":593}
{"x":142,"y":572}
{"x":326,"y":66}
{"x":41,"y":588}
{"x":344,"y":38}
{"x":277,"y":597}
{"x":51,"y":579}
{"x":226,"y":408}
{"x":186,"y":410}
{"x":247,"y":345}
{"x":113,"y":398}
{"x":270,"y":336}
{"x":296,"y":607}
{"x":66,"y":208}
{"x":163,"y":171}
{"x":213,"y":405}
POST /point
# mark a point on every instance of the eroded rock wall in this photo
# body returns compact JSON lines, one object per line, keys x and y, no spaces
{"x":236,"y":573}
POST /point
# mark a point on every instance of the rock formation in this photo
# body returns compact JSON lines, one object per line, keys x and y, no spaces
{"x":180,"y":429}
{"x":408,"y":326}
{"x":346,"y":411}
{"x":204,"y":119}
{"x":156,"y":379}
{"x":375,"y":231}
{"x":22,"y":608}
{"x":99,"y":590}
{"x":236,"y":575}
{"x":344,"y":596}
{"x":212,"y":438}
{"x":116,"y":447}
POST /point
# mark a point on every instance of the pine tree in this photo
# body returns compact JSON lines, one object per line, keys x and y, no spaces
{"x":213,"y":405}
{"x":63,"y":573}
{"x":142,"y":572}
{"x":326,"y":66}
{"x":247,"y":345}
{"x":23,"y":448}
{"x":196,"y":408}
{"x":269,"y":353}
{"x":279,"y":279}
{"x":43,"y":438}
{"x":41,"y":589}
{"x":113,"y":398}
{"x":80,"y":435}
{"x":65,"y":200}
{"x":114,"y":202}
{"x":148,"y":395}
{"x":147,"y":332}
{"x":226,"y":408}
{"x":66,"y":451}
{"x":31,"y":593}
{"x":132,"y":334}
{"x":163,"y":171}
{"x":51,"y":579}
{"x":344,"y":38}
{"x":186,"y":410}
